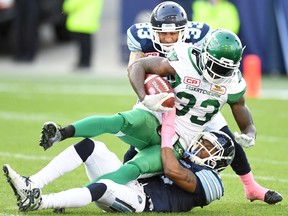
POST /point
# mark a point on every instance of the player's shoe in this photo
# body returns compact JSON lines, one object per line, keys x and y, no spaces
{"x":32,"y":201}
{"x":272,"y":197}
{"x":21,"y":185}
{"x":50,"y":134}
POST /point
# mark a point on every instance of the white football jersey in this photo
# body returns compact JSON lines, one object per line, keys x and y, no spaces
{"x":198,"y":101}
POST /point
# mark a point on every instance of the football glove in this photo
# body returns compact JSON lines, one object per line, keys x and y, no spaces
{"x":244,"y":140}
{"x":154,"y":102}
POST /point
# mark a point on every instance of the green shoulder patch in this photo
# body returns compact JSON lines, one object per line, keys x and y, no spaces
{"x":172,"y":56}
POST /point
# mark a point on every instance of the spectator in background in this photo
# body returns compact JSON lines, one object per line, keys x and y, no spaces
{"x":83,"y":20}
{"x":26,"y":29}
{"x":217,"y":14}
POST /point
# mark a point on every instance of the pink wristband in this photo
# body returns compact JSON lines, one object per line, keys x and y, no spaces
{"x":166,"y":141}
{"x":168,"y":128}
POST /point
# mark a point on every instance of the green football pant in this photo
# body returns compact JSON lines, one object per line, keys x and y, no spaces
{"x":136,"y":127}
{"x":147,"y":161}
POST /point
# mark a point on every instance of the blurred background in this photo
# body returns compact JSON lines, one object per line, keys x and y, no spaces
{"x":263,"y":30}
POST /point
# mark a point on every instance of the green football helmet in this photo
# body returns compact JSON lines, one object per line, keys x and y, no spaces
{"x":220,"y":56}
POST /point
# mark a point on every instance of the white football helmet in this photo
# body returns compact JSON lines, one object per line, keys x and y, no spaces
{"x":220,"y":153}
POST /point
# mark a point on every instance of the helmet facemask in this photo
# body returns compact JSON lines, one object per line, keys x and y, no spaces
{"x":217,"y":72}
{"x":167,"y":17}
{"x":220,"y":57}
{"x":165,"y":48}
{"x":216,"y":156}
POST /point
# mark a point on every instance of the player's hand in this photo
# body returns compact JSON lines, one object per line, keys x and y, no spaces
{"x":244,"y":140}
{"x":154,"y":102}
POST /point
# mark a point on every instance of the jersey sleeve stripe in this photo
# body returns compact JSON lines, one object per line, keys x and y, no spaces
{"x":211,"y":184}
{"x":132,"y":44}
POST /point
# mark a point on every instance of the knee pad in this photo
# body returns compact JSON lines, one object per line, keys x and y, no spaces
{"x":84,"y":148}
{"x":97,"y":190}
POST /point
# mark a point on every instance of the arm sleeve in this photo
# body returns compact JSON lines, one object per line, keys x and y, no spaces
{"x":168,"y":128}
{"x":211,"y":184}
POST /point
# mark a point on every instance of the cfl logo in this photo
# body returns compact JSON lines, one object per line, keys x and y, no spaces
{"x":191,"y":81}
{"x":152,"y":54}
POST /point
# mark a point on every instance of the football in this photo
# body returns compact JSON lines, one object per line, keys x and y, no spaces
{"x":155,"y":84}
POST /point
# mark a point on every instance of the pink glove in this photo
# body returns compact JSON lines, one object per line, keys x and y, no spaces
{"x":168,"y":128}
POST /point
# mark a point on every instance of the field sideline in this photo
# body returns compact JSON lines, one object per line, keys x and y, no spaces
{"x":29,"y":101}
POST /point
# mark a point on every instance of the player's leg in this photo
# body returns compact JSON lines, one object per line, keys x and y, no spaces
{"x":108,"y":195}
{"x":121,"y":198}
{"x":131,"y":152}
{"x":100,"y":162}
{"x":73,"y":198}
{"x":140,"y":129}
{"x":61,"y":164}
{"x":97,"y":158}
{"x":241,"y":167}
{"x":87,"y":127}
{"x":147,"y":161}
{"x":136,"y":127}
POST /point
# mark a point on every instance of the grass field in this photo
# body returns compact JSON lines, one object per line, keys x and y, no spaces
{"x":28,"y":101}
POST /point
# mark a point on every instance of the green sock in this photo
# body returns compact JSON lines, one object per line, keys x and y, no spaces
{"x":97,"y":125}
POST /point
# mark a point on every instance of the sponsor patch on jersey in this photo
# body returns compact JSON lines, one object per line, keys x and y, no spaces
{"x":152,"y":54}
{"x":218,"y":89}
{"x":191,"y":81}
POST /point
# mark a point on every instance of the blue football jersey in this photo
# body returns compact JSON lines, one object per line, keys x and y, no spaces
{"x":139,"y":37}
{"x":168,"y":197}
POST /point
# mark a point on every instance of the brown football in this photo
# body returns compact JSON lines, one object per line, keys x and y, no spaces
{"x":155,"y":84}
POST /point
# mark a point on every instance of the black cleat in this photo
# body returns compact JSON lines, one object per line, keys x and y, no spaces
{"x":272,"y":197}
{"x":50,"y":134}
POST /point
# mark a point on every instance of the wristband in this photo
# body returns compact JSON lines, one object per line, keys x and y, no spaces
{"x":168,"y":128}
{"x":166,"y":141}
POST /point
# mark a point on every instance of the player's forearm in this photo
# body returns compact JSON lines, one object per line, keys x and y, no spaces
{"x":243,"y":117}
{"x":245,"y":122}
{"x":182,"y":177}
{"x":135,"y":56}
{"x":136,"y":74}
{"x":171,"y":166}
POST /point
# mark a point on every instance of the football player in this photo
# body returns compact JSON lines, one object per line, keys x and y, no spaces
{"x":168,"y":26}
{"x":139,"y":127}
{"x":157,"y":37}
{"x":184,"y":186}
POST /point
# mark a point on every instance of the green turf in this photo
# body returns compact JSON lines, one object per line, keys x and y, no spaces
{"x":28,"y":101}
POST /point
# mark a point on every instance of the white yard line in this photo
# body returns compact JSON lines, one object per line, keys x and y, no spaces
{"x":264,"y":178}
{"x":25,"y":157}
{"x":106,"y":89}
{"x":274,"y":94}
{"x":69,"y":89}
